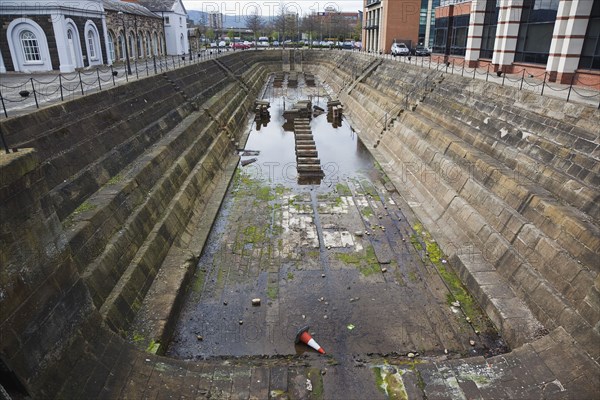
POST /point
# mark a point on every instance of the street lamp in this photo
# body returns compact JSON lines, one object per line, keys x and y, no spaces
{"x":122,"y":17}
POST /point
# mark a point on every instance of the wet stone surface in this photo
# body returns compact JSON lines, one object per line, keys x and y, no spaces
{"x":339,"y":256}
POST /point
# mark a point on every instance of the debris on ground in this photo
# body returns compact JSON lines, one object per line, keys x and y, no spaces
{"x":256,"y":302}
{"x":250,"y":161}
{"x":350,"y":327}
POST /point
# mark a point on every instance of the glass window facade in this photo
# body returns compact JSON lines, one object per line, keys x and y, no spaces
{"x":535,"y":33}
{"x":590,"y":54}
{"x":490,"y":23}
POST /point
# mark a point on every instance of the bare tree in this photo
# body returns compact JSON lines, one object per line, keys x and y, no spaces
{"x":255,"y":23}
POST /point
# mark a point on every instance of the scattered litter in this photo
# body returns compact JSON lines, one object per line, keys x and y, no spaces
{"x":200,"y":338}
{"x":445,"y":351}
{"x":147,"y":360}
{"x":256,"y":302}
{"x":323,"y":372}
{"x":353,"y":299}
{"x":309,"y":385}
{"x":411,"y":355}
{"x":455,"y":304}
{"x":306,"y":338}
{"x":321,"y":298}
{"x":384,"y":270}
{"x":350,"y":327}
{"x":322,"y":275}
{"x":468,"y":319}
{"x":472,"y":342}
{"x":247,"y":153}
{"x":476,"y":331}
{"x":325,"y":317}
{"x":250,"y":161}
{"x":444,"y":261}
{"x":359,"y":233}
{"x":303,"y":316}
{"x":241,"y":322}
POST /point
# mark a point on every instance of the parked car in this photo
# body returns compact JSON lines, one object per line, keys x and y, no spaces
{"x":240,"y":45}
{"x":421,"y":50}
{"x":400,"y":49}
{"x":263,"y":44}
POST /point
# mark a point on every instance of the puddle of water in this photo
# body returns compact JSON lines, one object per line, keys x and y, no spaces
{"x":341,"y":154}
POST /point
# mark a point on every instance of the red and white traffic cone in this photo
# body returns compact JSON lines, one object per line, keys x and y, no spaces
{"x":305,"y":337}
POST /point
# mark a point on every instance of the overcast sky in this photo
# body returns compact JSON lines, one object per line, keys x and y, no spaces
{"x":270,"y":7}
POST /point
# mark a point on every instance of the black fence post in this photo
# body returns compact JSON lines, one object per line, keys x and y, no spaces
{"x":154,"y":61}
{"x":98,"y":74}
{"x":570,"y":88}
{"x":503,"y":78}
{"x":543,"y":84}
{"x":60,"y":85}
{"x":126,"y":74}
{"x":34,"y":94}
{"x":3,"y":105}
{"x":147,"y":70}
{"x":487,"y":73}
{"x":522,"y":79}
{"x":80,"y":82}
{"x":112,"y":73}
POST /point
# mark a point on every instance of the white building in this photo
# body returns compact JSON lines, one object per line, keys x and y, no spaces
{"x":175,"y":23}
{"x":42,"y":35}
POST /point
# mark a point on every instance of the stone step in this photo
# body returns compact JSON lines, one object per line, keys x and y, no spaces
{"x":308,"y":161}
{"x":125,"y":299}
{"x":304,"y":136}
{"x":307,"y":154}
{"x":309,"y":168}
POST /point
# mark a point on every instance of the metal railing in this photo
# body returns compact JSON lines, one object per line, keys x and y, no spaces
{"x":20,"y":95}
{"x":523,"y":79}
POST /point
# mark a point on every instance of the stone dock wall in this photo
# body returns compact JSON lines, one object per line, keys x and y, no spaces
{"x":106,"y":192}
{"x":506,"y":181}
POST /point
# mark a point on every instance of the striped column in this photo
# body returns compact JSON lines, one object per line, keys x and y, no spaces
{"x":475,"y":32}
{"x":507,"y":32}
{"x":567,"y":39}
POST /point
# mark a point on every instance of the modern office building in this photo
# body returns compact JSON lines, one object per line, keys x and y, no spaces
{"x":402,"y":21}
{"x":559,"y":37}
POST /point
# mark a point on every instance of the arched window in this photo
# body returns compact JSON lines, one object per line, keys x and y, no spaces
{"x":131,"y":45}
{"x":121,"y":46}
{"x":31,"y":48}
{"x":91,"y":48}
{"x":111,"y":46}
{"x":155,"y":43}
{"x":140,"y":46}
{"x":182,"y":43}
{"x":148,"y":45}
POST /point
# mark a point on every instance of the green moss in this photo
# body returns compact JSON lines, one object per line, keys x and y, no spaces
{"x":379,"y":379}
{"x":279,"y":190}
{"x":83,"y":207}
{"x":412,"y":276}
{"x":343,"y":189}
{"x":264,"y":194}
{"x":198,"y":281}
{"x":153,"y":347}
{"x":253,"y":234}
{"x":137,"y":337}
{"x":316,"y":379}
{"x":272,"y":292}
{"x":415,"y":242}
{"x":367,"y":212}
{"x":457,"y":290}
{"x":290,"y":276}
{"x":115,"y":179}
{"x":367,"y":263}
